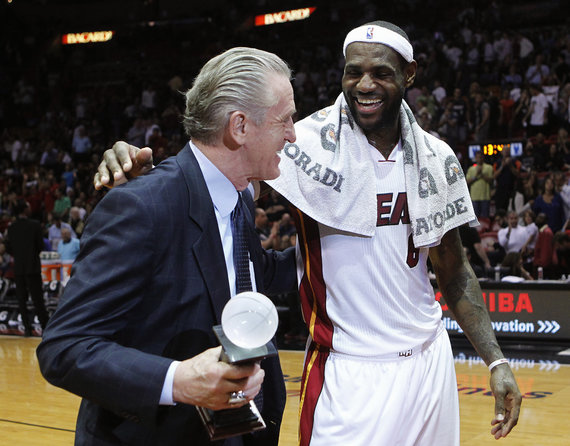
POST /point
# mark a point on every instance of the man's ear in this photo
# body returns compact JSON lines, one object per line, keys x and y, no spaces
{"x":236,"y":130}
{"x":410,"y":73}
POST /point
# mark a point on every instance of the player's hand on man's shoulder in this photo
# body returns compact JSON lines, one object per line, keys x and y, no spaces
{"x":121,"y":163}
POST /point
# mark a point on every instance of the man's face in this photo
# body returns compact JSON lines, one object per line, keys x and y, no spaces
{"x":374,"y":83}
{"x":269,"y":137}
{"x":513,"y":220}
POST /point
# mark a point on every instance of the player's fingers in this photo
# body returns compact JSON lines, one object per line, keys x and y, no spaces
{"x":502,"y":426}
{"x":507,"y":427}
{"x":144,"y":157}
{"x":102,"y":177}
{"x":499,"y":405}
{"x":97,"y":181}
{"x":113,"y":165}
{"x":512,"y":417}
{"x":495,"y":431}
{"x":125,"y":154}
{"x":497,"y":422}
{"x":499,"y":418}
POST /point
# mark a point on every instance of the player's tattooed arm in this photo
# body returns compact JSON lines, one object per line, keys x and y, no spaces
{"x":462,"y":293}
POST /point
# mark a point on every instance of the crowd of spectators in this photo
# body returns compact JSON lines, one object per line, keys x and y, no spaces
{"x":478,"y":80}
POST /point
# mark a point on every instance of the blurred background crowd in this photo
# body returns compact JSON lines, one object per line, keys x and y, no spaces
{"x":488,"y":72}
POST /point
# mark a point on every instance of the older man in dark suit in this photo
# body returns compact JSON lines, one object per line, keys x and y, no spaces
{"x":133,"y":332}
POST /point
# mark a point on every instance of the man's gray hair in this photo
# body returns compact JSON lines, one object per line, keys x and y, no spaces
{"x":238,"y":79}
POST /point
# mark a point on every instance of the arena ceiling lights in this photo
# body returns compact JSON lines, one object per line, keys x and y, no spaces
{"x":290,"y":15}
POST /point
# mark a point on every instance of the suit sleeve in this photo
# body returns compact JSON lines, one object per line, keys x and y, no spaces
{"x":87,"y":346}
{"x":280,"y":274}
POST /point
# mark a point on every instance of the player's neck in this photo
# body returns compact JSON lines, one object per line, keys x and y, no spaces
{"x":385,"y":139}
{"x":384,"y":145}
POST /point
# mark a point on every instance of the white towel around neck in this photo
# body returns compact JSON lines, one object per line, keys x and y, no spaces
{"x":328,"y":174}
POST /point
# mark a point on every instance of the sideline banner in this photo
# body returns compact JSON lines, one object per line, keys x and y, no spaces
{"x":537,"y":310}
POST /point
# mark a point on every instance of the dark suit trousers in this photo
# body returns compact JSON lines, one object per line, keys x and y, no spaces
{"x":31,"y":284}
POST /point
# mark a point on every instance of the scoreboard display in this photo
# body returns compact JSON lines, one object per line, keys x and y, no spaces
{"x":492,"y":150}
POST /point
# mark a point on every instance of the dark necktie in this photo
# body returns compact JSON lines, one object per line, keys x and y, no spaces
{"x":241,"y":261}
{"x":241,"y":258}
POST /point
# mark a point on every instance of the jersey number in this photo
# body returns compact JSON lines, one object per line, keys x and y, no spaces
{"x":413,"y":253}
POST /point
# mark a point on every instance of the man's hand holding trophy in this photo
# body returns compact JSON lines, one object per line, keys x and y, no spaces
{"x":249,"y":322}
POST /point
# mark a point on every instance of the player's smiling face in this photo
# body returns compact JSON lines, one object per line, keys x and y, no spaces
{"x":374,"y":81}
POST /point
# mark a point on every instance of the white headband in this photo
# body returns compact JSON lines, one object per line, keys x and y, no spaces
{"x":385,"y":36}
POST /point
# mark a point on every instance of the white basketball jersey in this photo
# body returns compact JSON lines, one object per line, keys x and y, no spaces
{"x":368,"y":296}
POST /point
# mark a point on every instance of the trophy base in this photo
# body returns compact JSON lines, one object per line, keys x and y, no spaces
{"x":231,"y":422}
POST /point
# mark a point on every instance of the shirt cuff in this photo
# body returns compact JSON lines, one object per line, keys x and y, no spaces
{"x":166,"y":395}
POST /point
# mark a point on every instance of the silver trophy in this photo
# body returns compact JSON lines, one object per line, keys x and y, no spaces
{"x":249,"y":322}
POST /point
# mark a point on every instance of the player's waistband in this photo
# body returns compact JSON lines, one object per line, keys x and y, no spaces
{"x":393,"y":356}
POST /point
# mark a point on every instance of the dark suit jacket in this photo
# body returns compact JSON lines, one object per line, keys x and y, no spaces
{"x":149,"y":283}
{"x":25,"y":242}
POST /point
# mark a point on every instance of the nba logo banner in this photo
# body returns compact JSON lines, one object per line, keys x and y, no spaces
{"x":370,"y":33}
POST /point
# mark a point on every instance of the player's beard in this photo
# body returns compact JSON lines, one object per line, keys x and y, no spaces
{"x":387,"y":119}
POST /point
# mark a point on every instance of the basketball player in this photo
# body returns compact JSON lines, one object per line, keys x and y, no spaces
{"x":378,"y":367}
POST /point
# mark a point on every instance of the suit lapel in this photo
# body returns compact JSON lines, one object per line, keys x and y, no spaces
{"x":208,"y":248}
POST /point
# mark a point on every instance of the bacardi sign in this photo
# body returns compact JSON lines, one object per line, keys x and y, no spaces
{"x":87,"y":37}
{"x":290,"y":15}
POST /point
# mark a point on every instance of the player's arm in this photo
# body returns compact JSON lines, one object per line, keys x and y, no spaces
{"x":462,"y":293}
